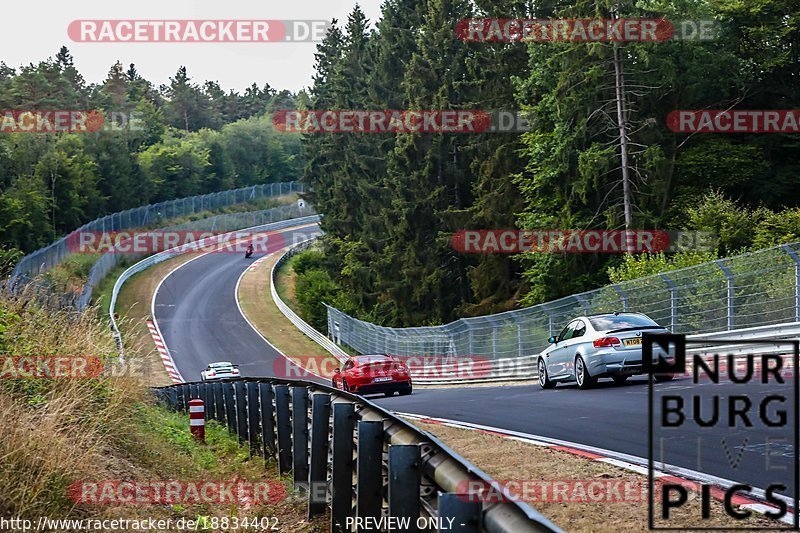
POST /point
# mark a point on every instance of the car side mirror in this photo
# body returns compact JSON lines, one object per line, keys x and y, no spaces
{"x":552,"y":340}
{"x":336,"y":370}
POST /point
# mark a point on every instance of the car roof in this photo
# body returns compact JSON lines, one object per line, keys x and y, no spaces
{"x":220,"y":364}
{"x":614,"y":314}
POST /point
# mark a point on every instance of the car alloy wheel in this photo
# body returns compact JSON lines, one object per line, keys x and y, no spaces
{"x":582,"y":374}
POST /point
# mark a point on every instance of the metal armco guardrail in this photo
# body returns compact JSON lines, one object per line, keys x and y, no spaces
{"x":315,"y":431}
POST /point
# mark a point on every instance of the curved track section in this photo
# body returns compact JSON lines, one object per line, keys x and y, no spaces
{"x":195,"y":309}
{"x":200,"y":321}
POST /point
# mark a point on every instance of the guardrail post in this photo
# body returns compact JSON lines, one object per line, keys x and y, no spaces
{"x":673,"y":302}
{"x":211,"y":403}
{"x":230,"y":409}
{"x":318,"y":464}
{"x":219,"y":401}
{"x":284,"y":428}
{"x":204,"y":394}
{"x":300,"y":437}
{"x":731,"y":294}
{"x":267,"y":419}
{"x":796,"y":259}
{"x":253,"y":415}
{"x":404,"y":480}
{"x":466,"y":514}
{"x":172,"y":398}
{"x":185,"y":398}
{"x":241,"y":410}
{"x":342,"y":465}
{"x":369,"y":469}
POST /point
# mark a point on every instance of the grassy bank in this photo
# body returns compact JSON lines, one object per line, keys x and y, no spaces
{"x":57,"y":432}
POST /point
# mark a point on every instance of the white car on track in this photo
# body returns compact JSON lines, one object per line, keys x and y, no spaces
{"x":220,"y":370}
{"x":600,"y":346}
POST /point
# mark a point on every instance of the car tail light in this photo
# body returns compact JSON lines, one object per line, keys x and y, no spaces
{"x":606,"y":342}
{"x":211,"y":373}
{"x":235,"y":371}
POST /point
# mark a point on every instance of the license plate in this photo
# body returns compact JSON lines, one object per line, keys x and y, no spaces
{"x":633,"y":342}
{"x":381,"y":380}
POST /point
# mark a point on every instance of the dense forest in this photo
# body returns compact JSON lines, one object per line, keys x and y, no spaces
{"x":391,"y":201}
{"x":185,"y":139}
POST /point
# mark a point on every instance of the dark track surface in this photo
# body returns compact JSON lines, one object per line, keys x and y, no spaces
{"x":615,"y":418}
{"x":200,"y":322}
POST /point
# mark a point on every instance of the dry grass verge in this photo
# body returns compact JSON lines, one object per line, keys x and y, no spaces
{"x":56,"y":432}
{"x":511,"y":460}
{"x":255,"y":297}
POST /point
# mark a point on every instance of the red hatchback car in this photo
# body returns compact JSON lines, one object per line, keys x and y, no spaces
{"x":373,"y":374}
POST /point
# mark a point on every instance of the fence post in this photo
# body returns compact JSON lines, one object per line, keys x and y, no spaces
{"x":342,"y":465}
{"x":230,"y":410}
{"x":369,"y":470}
{"x":550,"y":317}
{"x":300,"y":437}
{"x":673,"y":302}
{"x":623,"y":296}
{"x":466,"y":514}
{"x":253,"y":415}
{"x":404,"y":480}
{"x":241,"y":411}
{"x":729,"y":277}
{"x":267,"y":419}
{"x":584,"y":303}
{"x":796,"y":258}
{"x":284,"y":428}
{"x":318,"y":464}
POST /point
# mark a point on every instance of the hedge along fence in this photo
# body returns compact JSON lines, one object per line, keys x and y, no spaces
{"x":748,"y":290}
{"x":46,"y":258}
{"x":29,"y":269}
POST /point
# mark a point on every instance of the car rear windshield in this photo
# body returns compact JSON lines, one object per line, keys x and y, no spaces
{"x":373,"y":359}
{"x":609,"y":322}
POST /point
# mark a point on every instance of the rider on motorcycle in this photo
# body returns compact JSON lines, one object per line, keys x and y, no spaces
{"x":249,"y":250}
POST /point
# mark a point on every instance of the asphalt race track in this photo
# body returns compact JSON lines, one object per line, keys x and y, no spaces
{"x":200,"y":322}
{"x":195,"y":308}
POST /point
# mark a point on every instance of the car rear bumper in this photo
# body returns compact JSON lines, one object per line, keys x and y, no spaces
{"x":379,"y":388}
{"x":616,"y":362}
